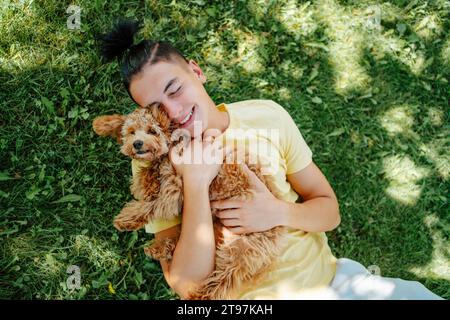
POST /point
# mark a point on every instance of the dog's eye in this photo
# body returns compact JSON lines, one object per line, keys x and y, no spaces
{"x":151,"y":130}
{"x":131,"y":131}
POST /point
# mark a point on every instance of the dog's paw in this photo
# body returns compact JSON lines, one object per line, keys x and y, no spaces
{"x":126,"y":225}
{"x":128,"y":220}
{"x":161,"y":249}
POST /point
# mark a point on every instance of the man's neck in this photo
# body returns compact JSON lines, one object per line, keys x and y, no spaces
{"x":223,"y":120}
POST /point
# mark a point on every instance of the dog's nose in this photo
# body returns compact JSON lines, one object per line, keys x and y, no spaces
{"x":138,"y":144}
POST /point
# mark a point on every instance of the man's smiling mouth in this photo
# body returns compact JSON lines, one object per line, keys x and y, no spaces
{"x":187,"y":117}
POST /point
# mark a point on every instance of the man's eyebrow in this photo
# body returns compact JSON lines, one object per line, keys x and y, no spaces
{"x":165,"y":89}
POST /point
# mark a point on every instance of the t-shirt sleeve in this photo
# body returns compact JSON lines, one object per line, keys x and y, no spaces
{"x":156,"y":225}
{"x":295,"y":150}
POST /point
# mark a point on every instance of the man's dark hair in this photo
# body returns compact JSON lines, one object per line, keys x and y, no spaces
{"x":118,"y":43}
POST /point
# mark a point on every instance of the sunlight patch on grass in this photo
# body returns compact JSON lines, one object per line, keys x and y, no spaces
{"x":263,"y":86}
{"x":96,"y":251}
{"x":297,"y":20}
{"x":403,"y":175}
{"x":437,"y":151}
{"x":213,"y":50}
{"x":350,"y":74}
{"x":346,"y":47}
{"x":258,"y":8}
{"x":20,"y":58}
{"x":293,"y":70}
{"x":397,"y":120}
{"x":247,"y":51}
{"x":429,"y":27}
{"x":28,"y":39}
{"x":439,"y":266}
{"x":49,"y":265}
{"x":21,"y":246}
{"x":445,"y":54}
{"x":401,"y":50}
{"x":284,"y":93}
{"x":436,"y":116}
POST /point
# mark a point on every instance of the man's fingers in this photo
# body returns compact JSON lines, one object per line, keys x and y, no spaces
{"x":230,"y":222}
{"x":226,"y":204}
{"x":254,"y":180}
{"x":237,"y":230}
{"x":228,"y":214}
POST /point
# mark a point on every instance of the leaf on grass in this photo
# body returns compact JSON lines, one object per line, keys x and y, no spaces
{"x":48,"y":104}
{"x":73,"y":113}
{"x":4,"y":194}
{"x":138,"y":278}
{"x":426,"y":86}
{"x":413,"y":38}
{"x":211,"y":11}
{"x":111,"y":289}
{"x":190,"y":38}
{"x":4,"y":176}
{"x":314,"y":73}
{"x":64,"y":93}
{"x":317,"y":45}
{"x":401,"y":28}
{"x":68,"y":198}
{"x":316,"y":100}
{"x":336,"y":132}
{"x":30,"y":194}
{"x":9,"y":231}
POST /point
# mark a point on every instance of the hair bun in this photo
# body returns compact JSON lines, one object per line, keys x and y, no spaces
{"x":119,"y":39}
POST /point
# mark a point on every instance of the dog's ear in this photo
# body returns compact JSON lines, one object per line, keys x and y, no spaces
{"x":161,"y":117}
{"x":109,"y":126}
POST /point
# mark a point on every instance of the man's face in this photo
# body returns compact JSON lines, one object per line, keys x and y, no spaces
{"x":178,"y":89}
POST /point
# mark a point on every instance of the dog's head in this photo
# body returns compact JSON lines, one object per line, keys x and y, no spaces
{"x":144,"y":134}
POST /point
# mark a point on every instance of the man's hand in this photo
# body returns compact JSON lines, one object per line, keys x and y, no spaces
{"x":261,"y":213}
{"x":201,"y":159}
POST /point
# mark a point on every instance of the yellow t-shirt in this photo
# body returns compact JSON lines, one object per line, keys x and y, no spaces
{"x":267,"y":129}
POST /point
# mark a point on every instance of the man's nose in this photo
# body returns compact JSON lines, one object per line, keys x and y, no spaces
{"x":174,"y":110}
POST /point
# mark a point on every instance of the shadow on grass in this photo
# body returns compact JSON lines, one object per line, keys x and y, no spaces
{"x":348,"y":141}
{"x":376,"y":227}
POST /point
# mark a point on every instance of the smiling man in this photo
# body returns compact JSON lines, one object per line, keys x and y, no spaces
{"x":180,"y":91}
{"x":157,"y":73}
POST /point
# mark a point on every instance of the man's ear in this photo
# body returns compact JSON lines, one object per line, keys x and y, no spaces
{"x":109,"y":126}
{"x":197,"y":70}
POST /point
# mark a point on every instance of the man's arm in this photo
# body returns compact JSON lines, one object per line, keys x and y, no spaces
{"x":320,"y":209}
{"x":193,"y":259}
{"x":319,"y":212}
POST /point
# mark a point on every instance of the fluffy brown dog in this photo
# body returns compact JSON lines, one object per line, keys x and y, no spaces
{"x":148,"y":134}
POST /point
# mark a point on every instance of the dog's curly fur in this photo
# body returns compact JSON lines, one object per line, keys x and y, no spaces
{"x":240,"y":259}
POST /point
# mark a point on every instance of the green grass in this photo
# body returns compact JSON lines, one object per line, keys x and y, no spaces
{"x":373,"y":105}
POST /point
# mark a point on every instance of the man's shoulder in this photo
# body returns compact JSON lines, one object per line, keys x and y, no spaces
{"x":255,"y":104}
{"x":259,"y":111}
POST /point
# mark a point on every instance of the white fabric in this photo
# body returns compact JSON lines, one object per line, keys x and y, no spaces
{"x":354,"y":282}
